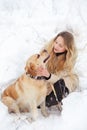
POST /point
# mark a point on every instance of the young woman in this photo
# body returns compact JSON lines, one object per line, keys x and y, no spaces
{"x":63,"y":56}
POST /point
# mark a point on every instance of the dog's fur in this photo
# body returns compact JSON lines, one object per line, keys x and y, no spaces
{"x":26,"y":92}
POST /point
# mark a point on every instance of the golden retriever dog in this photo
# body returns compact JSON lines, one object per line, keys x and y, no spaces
{"x":30,"y":90}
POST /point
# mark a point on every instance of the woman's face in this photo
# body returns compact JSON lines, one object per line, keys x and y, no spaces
{"x":59,"y":45}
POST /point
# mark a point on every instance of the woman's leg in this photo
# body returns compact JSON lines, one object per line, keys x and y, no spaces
{"x":61,"y":91}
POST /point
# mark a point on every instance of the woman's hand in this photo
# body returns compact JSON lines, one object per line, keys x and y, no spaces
{"x":42,"y":71}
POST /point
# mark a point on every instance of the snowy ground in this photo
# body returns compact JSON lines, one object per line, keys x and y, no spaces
{"x":25,"y":26}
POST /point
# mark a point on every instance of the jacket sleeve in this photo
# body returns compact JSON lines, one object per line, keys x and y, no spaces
{"x":71,"y":79}
{"x":59,"y":75}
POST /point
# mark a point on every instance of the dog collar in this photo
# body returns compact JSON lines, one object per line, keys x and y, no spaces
{"x":40,"y":77}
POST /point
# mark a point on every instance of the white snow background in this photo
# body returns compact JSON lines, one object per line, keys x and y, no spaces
{"x":25,"y":26}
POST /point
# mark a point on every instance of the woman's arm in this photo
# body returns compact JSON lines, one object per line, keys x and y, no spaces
{"x":51,"y":77}
{"x":59,"y":75}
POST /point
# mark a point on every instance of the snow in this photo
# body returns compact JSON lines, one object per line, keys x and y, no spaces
{"x":25,"y":26}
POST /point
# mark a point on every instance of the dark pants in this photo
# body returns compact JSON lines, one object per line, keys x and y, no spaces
{"x":61,"y":91}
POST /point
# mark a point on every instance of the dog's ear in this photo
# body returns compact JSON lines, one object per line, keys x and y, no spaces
{"x":30,"y":69}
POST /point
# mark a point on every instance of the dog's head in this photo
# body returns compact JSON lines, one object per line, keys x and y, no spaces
{"x":36,"y":61}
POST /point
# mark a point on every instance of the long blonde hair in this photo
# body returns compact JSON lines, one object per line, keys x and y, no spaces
{"x":67,"y":60}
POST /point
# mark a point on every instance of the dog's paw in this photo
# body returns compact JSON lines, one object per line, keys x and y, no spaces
{"x":16,"y":117}
{"x":30,"y":119}
{"x":45,"y":113}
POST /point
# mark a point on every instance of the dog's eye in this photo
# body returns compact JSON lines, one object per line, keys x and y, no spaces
{"x":44,"y":50}
{"x":38,"y":55}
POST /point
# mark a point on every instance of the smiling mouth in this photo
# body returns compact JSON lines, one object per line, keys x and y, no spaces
{"x":46,"y":59}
